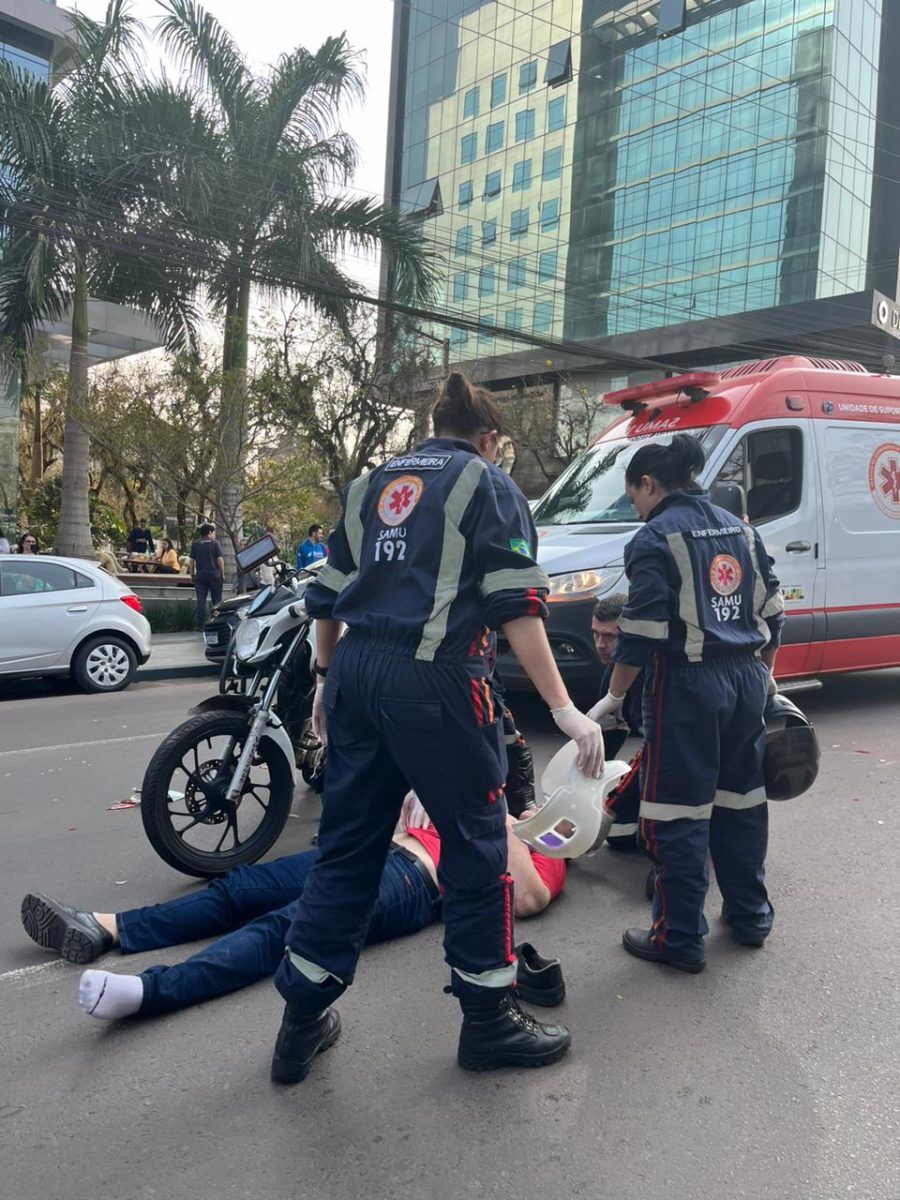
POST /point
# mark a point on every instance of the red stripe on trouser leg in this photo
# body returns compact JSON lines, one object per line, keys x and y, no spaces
{"x":477,"y":703}
{"x":620,"y":787}
{"x":650,"y":792}
{"x":489,"y":703}
{"x":506,"y":882}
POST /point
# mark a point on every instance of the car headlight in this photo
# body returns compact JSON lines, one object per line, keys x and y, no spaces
{"x":582,"y":585}
{"x":247,"y":638}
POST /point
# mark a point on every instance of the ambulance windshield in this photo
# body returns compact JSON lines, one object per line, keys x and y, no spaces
{"x":592,"y":489}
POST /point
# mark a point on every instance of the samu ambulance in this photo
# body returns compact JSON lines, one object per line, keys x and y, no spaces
{"x":807,"y":449}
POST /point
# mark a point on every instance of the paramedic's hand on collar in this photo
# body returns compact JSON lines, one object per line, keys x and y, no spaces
{"x":318,"y":714}
{"x":608,"y":711}
{"x":587,"y":735}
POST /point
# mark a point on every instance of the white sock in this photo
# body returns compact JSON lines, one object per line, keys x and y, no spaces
{"x":107,"y":996}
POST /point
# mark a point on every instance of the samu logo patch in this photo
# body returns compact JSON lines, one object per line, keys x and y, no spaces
{"x":520,"y":546}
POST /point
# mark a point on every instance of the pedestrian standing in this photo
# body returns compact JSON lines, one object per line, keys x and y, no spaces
{"x":208,"y":569}
{"x":703,"y":622}
{"x":433,"y":549}
{"x":27,"y":543}
{"x":313,"y":549}
{"x":4,"y":543}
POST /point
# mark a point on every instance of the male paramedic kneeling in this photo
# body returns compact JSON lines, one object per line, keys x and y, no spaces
{"x":703,"y":621}
{"x":432,"y":549}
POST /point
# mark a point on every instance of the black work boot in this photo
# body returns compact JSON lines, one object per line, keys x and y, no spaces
{"x":497,"y":1033}
{"x":300,"y":1039}
{"x":538,"y":980}
{"x":74,"y":935}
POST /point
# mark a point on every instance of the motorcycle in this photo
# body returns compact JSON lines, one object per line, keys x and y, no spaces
{"x":218,"y":790}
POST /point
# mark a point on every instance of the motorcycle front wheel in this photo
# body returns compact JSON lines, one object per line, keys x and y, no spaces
{"x":186,"y":816}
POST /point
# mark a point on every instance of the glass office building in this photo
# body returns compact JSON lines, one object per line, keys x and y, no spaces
{"x":601,"y":171}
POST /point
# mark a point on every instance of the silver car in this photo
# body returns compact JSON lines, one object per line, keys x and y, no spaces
{"x":65,"y":616}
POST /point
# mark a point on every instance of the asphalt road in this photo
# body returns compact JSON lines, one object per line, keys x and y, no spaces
{"x":773,"y":1076}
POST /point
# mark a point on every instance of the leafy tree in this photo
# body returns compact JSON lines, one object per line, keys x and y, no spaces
{"x":277,"y":218}
{"x":75,"y":177}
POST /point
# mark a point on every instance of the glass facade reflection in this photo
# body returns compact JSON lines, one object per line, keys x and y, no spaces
{"x":620,"y":181}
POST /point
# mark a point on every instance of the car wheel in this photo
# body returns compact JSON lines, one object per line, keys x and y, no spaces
{"x":104,"y":664}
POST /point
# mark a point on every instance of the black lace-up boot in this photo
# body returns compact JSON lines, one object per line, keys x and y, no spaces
{"x":497,"y":1033}
{"x":300,"y":1039}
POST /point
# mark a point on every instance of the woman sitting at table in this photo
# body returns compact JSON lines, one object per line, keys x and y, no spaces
{"x":167,"y":558}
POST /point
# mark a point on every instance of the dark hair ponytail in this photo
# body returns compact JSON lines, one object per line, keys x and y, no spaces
{"x":674,"y":466}
{"x":464,"y":410}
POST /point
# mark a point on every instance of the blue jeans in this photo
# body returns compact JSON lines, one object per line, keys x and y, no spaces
{"x":265,"y":896}
{"x":204,"y":588}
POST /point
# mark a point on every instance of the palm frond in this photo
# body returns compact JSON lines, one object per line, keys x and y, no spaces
{"x":306,"y":90}
{"x":206,"y":50}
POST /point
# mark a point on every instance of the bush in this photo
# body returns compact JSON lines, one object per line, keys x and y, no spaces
{"x":170,"y":616}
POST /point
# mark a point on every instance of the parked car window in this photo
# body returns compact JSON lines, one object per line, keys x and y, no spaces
{"x":38,"y":577}
{"x":84,"y":581}
{"x":768,"y":466}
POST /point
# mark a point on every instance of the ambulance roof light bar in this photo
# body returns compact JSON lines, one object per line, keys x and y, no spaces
{"x":696,"y":386}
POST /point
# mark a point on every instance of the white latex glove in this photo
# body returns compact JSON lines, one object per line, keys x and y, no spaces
{"x":587,"y":735}
{"x":412,"y":814}
{"x":318,"y":714}
{"x":609,"y":706}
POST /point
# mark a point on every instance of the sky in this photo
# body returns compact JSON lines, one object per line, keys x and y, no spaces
{"x":265,"y":28}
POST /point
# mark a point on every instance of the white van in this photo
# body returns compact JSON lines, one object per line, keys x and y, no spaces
{"x":808,"y":448}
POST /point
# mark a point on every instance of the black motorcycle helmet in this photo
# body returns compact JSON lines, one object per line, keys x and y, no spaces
{"x":791,"y":761}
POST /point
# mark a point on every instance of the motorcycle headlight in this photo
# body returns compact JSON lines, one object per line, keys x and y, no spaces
{"x":582,"y":585}
{"x":247,"y":639}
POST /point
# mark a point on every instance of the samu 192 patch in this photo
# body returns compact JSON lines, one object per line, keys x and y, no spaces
{"x":521,"y":546}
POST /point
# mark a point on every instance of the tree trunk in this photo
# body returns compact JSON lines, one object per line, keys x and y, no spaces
{"x":233,"y":428}
{"x":73,"y":537}
{"x":37,"y":439}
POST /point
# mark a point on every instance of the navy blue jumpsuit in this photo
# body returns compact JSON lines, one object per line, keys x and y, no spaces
{"x":702,"y":604}
{"x":626,"y":798}
{"x":432,"y":550}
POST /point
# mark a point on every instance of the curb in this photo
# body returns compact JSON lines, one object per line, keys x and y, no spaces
{"x":188,"y":671}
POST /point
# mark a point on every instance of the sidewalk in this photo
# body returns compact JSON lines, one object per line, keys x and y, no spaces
{"x":177,"y":656}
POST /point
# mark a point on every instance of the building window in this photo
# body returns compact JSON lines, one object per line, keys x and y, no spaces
{"x":493,"y":139}
{"x":498,"y":90}
{"x":487,"y":281}
{"x":559,"y":63}
{"x":549,"y":214}
{"x":488,"y":232}
{"x":464,"y":240}
{"x":552,"y":164}
{"x":515,"y":273}
{"x":518,"y":223}
{"x":465,"y":193}
{"x":492,"y":184}
{"x":525,"y":125}
{"x":522,"y":176}
{"x":514,"y":318}
{"x":461,"y":286}
{"x":468,"y":148}
{"x":527,"y":75}
{"x":543,"y":316}
{"x":470,"y":102}
{"x":547,"y":266}
{"x":458,"y":337}
{"x":556,"y":114}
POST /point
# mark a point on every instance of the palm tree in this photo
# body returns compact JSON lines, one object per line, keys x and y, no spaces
{"x":279,"y":218}
{"x":75,"y":177}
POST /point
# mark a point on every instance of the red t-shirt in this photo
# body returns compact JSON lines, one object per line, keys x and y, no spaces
{"x":551,"y":870}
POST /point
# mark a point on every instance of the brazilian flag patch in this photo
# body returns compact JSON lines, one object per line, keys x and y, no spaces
{"x":520,"y":545}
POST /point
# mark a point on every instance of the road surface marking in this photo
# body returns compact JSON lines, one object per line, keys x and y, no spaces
{"x":24,"y":972}
{"x":137,"y":737}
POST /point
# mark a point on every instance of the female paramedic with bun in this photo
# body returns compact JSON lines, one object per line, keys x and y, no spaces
{"x":433,"y":549}
{"x":703,"y":621}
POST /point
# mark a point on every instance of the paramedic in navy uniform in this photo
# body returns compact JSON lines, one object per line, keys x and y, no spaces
{"x":433,"y":549}
{"x":703,"y":621}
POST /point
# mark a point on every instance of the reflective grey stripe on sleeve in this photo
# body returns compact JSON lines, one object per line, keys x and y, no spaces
{"x":737,"y":800}
{"x":774,"y":605}
{"x":310,"y":969}
{"x":452,"y":554}
{"x":657,"y":630}
{"x":687,"y":598}
{"x":353,"y":526}
{"x":333,"y":579}
{"x":499,"y":977}
{"x":759,"y":587}
{"x":511,"y":580}
{"x":651,"y":811}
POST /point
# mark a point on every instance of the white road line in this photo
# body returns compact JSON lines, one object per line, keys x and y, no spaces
{"x":24,"y":972}
{"x":137,"y":737}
